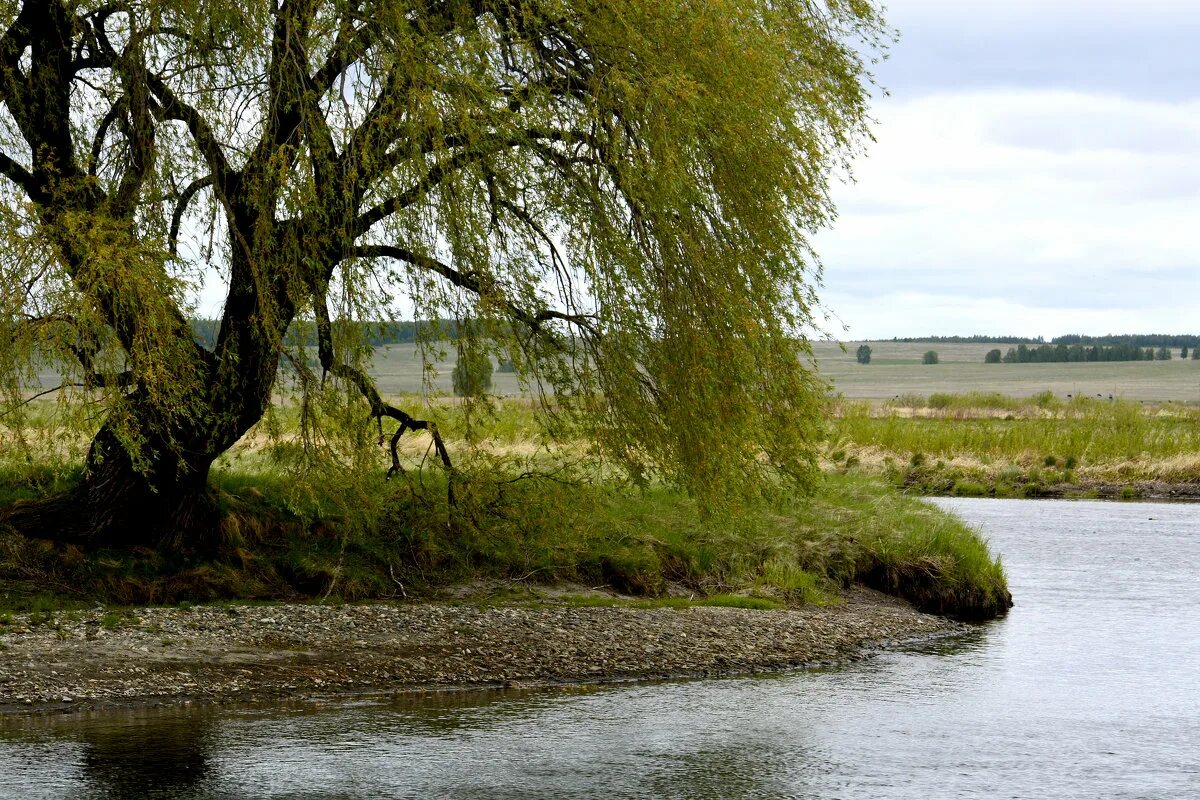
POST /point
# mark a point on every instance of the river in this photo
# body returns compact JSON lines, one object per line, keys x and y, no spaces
{"x":1090,"y":688}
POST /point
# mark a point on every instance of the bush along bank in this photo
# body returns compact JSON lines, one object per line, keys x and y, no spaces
{"x":401,"y":540}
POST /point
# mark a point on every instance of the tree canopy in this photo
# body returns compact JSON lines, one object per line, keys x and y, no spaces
{"x":619,"y":194}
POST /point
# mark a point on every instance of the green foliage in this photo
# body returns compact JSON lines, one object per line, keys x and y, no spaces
{"x":1162,"y":354}
{"x":993,"y":357}
{"x":661,"y":165}
{"x":863,"y":354}
{"x":929,"y":357}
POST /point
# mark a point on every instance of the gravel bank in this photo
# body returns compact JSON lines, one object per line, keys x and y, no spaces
{"x":217,"y":654}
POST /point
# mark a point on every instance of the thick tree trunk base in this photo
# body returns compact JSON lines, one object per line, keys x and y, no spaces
{"x":93,"y":517}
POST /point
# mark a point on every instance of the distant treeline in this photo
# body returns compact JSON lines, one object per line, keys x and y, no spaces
{"x":1058,"y":353}
{"x":375,"y":334}
{"x":1130,"y":340}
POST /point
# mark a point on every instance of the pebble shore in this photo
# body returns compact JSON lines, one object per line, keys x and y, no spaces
{"x":226,"y":654}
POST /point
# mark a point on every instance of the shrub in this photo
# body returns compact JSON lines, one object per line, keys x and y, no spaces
{"x":992,"y":357}
{"x":472,"y":374}
{"x":930,"y":357}
{"x":863,"y":354}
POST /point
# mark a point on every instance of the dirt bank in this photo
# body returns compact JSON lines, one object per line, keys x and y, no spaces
{"x":92,"y":659}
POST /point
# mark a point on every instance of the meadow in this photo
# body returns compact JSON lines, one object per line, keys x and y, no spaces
{"x":531,"y":510}
{"x":895,"y":369}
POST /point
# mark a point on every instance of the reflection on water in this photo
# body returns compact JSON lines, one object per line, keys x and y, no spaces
{"x":1086,"y":690}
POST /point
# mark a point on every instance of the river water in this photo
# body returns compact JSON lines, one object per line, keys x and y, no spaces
{"x":1090,"y":688}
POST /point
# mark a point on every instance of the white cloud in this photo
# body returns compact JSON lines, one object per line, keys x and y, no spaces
{"x":1042,"y":201}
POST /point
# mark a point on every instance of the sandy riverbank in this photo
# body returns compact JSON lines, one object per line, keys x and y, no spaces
{"x":252,"y":653}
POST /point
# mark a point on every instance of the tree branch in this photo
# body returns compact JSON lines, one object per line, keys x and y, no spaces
{"x":444,"y":169}
{"x":379,"y":408}
{"x":471,"y":282}
{"x":181,"y":207}
{"x":202,"y":133}
{"x":20,"y":176}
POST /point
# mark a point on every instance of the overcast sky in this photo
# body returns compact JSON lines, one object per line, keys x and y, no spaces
{"x":1037,"y":171}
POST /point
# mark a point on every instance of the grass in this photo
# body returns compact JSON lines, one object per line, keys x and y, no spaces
{"x":979,"y":443}
{"x":653,"y":544}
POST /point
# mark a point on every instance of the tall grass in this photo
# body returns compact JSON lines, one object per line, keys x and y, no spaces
{"x":1087,"y":431}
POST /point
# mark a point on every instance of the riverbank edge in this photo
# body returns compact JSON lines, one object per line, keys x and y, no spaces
{"x":1141,"y":490}
{"x":281,"y":653}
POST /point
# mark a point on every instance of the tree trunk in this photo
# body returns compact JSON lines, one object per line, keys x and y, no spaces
{"x":162,"y":500}
{"x":167,"y":505}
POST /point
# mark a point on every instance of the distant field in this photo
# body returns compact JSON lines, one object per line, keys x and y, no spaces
{"x":896,"y":369}
{"x":397,"y":370}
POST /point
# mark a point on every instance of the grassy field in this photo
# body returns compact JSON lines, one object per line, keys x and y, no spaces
{"x":993,"y":444}
{"x":896,"y":369}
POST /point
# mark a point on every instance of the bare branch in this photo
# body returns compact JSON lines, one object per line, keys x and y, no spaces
{"x":20,"y":176}
{"x":349,"y":46}
{"x":379,"y":408}
{"x":102,"y":132}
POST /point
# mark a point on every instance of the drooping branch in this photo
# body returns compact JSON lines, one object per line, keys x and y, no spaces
{"x":447,"y":167}
{"x":380,"y":408}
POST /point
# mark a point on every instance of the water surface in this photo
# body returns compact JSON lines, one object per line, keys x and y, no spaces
{"x":1089,"y":689}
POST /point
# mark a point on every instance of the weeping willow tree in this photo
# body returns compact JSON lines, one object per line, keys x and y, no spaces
{"x":617,"y":194}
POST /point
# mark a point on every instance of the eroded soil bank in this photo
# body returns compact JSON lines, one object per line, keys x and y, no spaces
{"x":251,"y":653}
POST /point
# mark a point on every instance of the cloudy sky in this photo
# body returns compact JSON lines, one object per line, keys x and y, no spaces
{"x":1037,"y":171}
